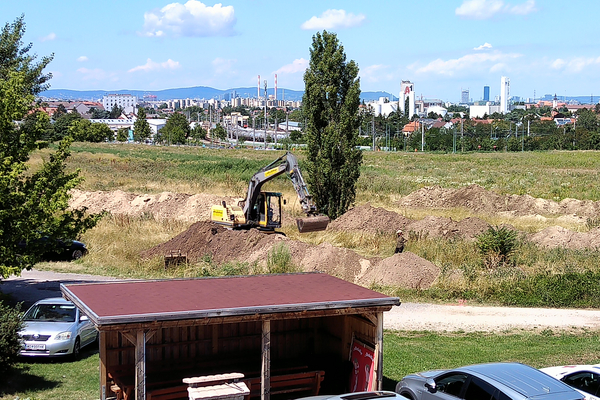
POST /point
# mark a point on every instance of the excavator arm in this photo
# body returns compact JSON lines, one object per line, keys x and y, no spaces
{"x":286,"y":163}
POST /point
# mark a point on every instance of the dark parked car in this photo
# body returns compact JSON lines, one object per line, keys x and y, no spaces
{"x":60,"y":250}
{"x":494,"y":381}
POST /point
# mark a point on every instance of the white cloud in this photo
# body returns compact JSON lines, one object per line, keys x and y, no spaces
{"x":155,"y":66}
{"x":376,"y":73}
{"x":222,"y":65}
{"x":82,"y":59}
{"x":484,"y":46}
{"x":485,"y":9}
{"x":334,"y":19}
{"x":96,"y":74}
{"x":467,"y":63}
{"x":51,"y":36}
{"x":192,"y":19}
{"x":298,"y":65}
{"x":575,"y":65}
{"x":523,"y":9}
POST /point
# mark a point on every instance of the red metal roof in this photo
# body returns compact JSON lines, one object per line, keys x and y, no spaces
{"x":153,"y":300}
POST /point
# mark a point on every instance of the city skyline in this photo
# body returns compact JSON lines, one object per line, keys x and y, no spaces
{"x":452,"y":45}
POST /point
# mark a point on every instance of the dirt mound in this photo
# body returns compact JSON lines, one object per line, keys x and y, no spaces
{"x":480,"y":200}
{"x":406,"y":270}
{"x":165,"y":205}
{"x":370,"y":219}
{"x":556,"y":236}
{"x":253,"y":246}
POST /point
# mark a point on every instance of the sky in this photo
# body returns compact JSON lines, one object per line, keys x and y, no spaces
{"x":442,"y":46}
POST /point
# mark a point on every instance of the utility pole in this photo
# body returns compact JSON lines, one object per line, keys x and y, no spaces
{"x":266,"y":120}
{"x":422,"y":136}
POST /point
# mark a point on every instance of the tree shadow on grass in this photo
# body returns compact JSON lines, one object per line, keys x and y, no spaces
{"x":20,"y":379}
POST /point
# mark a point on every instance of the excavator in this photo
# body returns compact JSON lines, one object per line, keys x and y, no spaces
{"x":262,"y":210}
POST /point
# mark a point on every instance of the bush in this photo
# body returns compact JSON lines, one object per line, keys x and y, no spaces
{"x":10,"y":343}
{"x":497,"y":245}
{"x":279,"y":260}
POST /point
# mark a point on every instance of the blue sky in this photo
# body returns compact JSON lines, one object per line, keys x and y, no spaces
{"x":443,"y":46}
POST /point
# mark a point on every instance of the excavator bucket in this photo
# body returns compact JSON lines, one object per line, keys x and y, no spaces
{"x":312,"y":224}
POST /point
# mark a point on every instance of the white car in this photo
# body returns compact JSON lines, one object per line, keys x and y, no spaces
{"x":583,"y":378}
{"x":55,"y":327}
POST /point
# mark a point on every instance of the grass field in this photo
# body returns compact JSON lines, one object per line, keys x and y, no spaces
{"x":404,"y":353}
{"x":536,"y":273}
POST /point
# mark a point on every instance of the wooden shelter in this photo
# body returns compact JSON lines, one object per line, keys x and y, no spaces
{"x":286,"y":333}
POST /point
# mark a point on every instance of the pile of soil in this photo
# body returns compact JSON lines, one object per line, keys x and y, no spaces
{"x":166,"y":205}
{"x":442,"y":227}
{"x":556,"y":236}
{"x":252,"y":246}
{"x":370,"y":219}
{"x":480,"y":200}
{"x":405,"y":270}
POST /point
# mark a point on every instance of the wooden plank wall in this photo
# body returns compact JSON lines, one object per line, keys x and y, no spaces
{"x":290,"y":339}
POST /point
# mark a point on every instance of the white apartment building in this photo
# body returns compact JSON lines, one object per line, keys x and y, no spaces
{"x":126,"y":101}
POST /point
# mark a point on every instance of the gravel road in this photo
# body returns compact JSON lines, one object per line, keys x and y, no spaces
{"x":35,"y":285}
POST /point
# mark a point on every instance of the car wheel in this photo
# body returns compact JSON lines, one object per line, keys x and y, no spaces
{"x":77,"y":254}
{"x":76,"y":348}
{"x":407,"y":395}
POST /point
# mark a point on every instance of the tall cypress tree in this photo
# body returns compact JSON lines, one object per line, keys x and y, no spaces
{"x":141,"y":127}
{"x":330,"y":104}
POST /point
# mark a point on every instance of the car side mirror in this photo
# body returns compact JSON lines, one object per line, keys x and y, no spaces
{"x":83,"y":318}
{"x":430,"y":385}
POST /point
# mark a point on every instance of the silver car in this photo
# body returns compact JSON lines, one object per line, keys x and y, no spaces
{"x":494,"y":381}
{"x":55,"y":327}
{"x":371,"y":395}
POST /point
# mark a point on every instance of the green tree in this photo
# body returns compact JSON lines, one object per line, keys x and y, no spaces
{"x":10,"y":343}
{"x":61,"y":126}
{"x":141,"y":127}
{"x":122,"y":134}
{"x":219,"y":132}
{"x":330,"y":105}
{"x":198,"y":133}
{"x":33,"y":203}
{"x":59,"y":112}
{"x":85,"y":131}
{"x":587,"y":119}
{"x":115,"y":112}
{"x":176,"y":130}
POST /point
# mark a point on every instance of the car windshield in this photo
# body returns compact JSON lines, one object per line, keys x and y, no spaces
{"x":51,"y":312}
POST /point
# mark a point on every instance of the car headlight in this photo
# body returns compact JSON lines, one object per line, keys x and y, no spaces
{"x":63,"y":336}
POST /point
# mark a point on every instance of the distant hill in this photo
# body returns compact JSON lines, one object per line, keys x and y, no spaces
{"x":196,"y":92}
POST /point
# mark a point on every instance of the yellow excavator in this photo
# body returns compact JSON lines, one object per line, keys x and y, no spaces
{"x":262,"y":210}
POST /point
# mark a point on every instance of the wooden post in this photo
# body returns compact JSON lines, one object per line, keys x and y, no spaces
{"x":103,"y":375}
{"x":265,"y":382}
{"x":140,"y":365}
{"x":379,"y":353}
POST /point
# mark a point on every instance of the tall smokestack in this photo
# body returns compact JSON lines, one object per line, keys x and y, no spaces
{"x":258,"y":86}
{"x":275,"y":88}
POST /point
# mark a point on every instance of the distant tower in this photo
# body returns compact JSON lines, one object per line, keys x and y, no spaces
{"x":504,"y":93}
{"x":275,"y":89}
{"x":407,"y":92}
{"x":555,"y":102}
{"x":486,"y":93}
{"x":464,"y":96}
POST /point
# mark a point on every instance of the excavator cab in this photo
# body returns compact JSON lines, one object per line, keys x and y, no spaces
{"x":268,"y":207}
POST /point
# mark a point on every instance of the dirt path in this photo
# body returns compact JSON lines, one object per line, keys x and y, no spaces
{"x":35,"y":285}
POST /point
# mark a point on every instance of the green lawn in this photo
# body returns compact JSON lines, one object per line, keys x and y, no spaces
{"x":404,"y":353}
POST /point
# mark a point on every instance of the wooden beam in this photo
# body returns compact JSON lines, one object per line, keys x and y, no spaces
{"x":265,"y":382}
{"x":241,"y":318}
{"x":140,"y":365}
{"x":378,"y":373}
{"x":104,"y":387}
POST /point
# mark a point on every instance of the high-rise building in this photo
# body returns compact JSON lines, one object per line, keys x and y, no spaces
{"x":504,"y":93}
{"x":407,"y":92}
{"x":486,"y":93}
{"x":464,"y":96}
